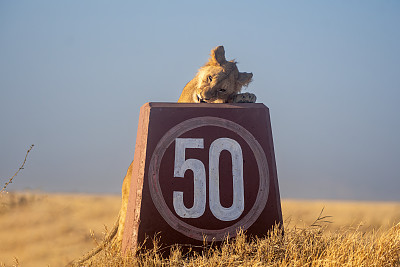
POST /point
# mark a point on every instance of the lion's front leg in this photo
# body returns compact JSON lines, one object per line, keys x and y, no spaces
{"x":244,"y":98}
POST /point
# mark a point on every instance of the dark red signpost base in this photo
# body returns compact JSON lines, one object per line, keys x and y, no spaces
{"x":202,"y":171}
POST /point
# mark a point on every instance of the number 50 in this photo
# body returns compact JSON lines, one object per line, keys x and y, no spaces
{"x":199,"y":176}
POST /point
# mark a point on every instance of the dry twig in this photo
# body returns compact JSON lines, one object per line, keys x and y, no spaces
{"x":20,"y":168}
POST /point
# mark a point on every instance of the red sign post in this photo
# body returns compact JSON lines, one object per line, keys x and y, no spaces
{"x":202,"y":172}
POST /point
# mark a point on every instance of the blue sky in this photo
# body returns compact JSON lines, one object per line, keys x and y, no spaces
{"x":74,"y":74}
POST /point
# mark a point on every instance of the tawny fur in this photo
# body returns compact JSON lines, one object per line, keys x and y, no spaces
{"x":218,"y":81}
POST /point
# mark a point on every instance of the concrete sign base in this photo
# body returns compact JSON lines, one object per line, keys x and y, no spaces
{"x":202,"y":172}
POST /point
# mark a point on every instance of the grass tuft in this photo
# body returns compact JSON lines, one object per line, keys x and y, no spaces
{"x":312,"y":246}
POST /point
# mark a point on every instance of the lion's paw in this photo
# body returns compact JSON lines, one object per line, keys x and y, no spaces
{"x":244,"y":98}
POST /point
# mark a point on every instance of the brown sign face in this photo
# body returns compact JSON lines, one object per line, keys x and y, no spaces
{"x":207,"y":170}
{"x":213,"y":203}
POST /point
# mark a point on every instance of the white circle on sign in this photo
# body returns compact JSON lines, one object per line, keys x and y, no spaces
{"x":162,"y":207}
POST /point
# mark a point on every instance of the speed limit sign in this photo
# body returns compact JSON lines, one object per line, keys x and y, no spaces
{"x":202,"y":172}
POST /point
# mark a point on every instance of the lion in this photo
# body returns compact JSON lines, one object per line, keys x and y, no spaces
{"x":218,"y":81}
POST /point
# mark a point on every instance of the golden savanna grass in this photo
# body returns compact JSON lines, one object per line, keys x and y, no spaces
{"x":38,"y":229}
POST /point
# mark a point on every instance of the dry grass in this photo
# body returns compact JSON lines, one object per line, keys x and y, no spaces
{"x":49,"y":229}
{"x":366,"y":216}
{"x":297,"y":247}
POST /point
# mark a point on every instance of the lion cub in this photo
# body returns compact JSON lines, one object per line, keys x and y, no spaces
{"x":218,"y":81}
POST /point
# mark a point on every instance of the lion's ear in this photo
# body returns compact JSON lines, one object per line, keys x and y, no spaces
{"x":244,"y":78}
{"x":218,"y":55}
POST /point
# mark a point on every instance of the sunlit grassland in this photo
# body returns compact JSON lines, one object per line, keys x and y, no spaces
{"x":38,"y":229}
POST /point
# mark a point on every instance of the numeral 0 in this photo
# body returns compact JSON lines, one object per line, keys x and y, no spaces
{"x":199,"y":173}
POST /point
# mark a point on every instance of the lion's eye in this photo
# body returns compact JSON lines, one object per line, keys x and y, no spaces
{"x":222,"y":90}
{"x":209,"y":78}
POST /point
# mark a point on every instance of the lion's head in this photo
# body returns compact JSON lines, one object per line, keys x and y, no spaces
{"x":217,"y":81}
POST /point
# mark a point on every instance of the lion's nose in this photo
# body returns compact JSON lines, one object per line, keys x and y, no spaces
{"x":207,"y":95}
